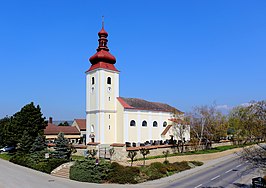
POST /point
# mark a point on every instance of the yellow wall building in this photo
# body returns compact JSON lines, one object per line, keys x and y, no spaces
{"x":114,"y":119}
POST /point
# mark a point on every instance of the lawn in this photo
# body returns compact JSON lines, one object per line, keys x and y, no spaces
{"x":5,"y":156}
{"x":213,"y":150}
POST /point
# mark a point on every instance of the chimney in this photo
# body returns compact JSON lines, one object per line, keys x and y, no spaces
{"x":50,"y":120}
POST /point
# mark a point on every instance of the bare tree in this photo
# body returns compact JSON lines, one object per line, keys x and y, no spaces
{"x":132,"y":155}
{"x":111,"y":152}
{"x":255,"y":155}
{"x":144,"y":152}
{"x":207,"y":124}
{"x":179,"y":131}
{"x":166,"y":153}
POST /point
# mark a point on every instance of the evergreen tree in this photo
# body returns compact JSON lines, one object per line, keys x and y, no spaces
{"x":29,"y":119}
{"x":64,"y":124}
{"x":62,"y":147}
{"x":38,"y":144}
{"x":4,"y":134}
{"x":25,"y":143}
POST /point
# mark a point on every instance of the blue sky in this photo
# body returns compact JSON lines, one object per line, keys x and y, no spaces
{"x":184,"y":53}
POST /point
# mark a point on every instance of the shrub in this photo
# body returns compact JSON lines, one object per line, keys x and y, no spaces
{"x":172,"y":168}
{"x":23,"y":160}
{"x":123,"y":175}
{"x":181,"y":166}
{"x":43,"y":165}
{"x":159,"y":166}
{"x":196,"y":163}
{"x":155,"y":170}
{"x":89,"y":171}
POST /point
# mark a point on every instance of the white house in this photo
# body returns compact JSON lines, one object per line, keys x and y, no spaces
{"x":114,"y":119}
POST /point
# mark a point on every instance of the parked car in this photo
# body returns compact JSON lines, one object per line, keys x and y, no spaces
{"x":8,"y":149}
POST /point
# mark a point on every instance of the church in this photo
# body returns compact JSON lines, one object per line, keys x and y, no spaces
{"x":111,"y":118}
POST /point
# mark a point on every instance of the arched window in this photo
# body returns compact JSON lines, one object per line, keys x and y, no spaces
{"x":144,"y":123}
{"x":92,"y":80}
{"x":155,"y":124}
{"x":164,"y":124}
{"x":92,"y":128}
{"x":109,"y":80}
{"x":132,"y":123}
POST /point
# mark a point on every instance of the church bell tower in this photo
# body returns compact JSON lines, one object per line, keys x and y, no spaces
{"x":102,"y":90}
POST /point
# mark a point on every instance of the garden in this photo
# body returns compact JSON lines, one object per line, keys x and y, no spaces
{"x":91,"y":170}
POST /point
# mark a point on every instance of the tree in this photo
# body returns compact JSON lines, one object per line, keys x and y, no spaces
{"x":166,"y":153}
{"x":144,"y":152}
{"x":92,"y":153}
{"x":38,"y":144}
{"x":180,"y":129}
{"x":207,"y":124}
{"x":25,"y":143}
{"x":248,"y":123}
{"x":255,"y":155}
{"x":64,"y":124}
{"x":62,"y":147}
{"x":111,"y":152}
{"x":29,"y":119}
{"x":132,"y":155}
{"x":5,"y":133}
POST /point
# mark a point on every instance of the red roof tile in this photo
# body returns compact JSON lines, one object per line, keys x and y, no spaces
{"x":81,"y":123}
{"x":177,"y":120}
{"x":52,"y":129}
{"x":166,"y":129}
{"x":103,"y":65}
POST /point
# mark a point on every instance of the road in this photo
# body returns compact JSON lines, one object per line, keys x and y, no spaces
{"x":227,"y":172}
{"x":223,"y":172}
{"x":220,"y":175}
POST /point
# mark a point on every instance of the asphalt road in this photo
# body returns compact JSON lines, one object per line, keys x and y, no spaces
{"x":224,"y":172}
{"x":220,"y":175}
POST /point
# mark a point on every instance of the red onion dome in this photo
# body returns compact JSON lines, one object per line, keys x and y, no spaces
{"x":102,"y":54}
{"x":102,"y":33}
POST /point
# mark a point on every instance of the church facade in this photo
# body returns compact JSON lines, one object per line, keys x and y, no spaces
{"x":114,"y":119}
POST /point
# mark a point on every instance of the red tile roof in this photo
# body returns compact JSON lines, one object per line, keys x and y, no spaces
{"x":177,"y":120}
{"x":103,"y":65}
{"x":53,"y":129}
{"x":140,"y":104}
{"x":81,"y":123}
{"x":166,"y":129}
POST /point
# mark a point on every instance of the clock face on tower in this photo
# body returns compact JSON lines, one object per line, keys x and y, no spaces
{"x":109,"y":89}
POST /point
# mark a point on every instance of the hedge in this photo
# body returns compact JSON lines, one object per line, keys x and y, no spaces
{"x":43,"y":165}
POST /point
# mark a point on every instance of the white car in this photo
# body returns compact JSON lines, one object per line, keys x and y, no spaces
{"x":7,"y":149}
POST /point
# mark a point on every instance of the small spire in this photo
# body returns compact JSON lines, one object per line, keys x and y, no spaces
{"x":102,"y":21}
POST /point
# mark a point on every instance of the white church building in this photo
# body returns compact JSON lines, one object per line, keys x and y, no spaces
{"x":111,"y":118}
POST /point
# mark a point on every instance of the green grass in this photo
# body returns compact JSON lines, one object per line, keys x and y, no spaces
{"x":77,"y":158}
{"x":5,"y":156}
{"x":213,"y":150}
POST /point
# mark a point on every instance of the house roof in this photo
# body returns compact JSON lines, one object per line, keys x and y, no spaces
{"x":177,"y":120}
{"x":52,"y":129}
{"x":81,"y":124}
{"x":140,"y":104}
{"x":166,"y":129}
